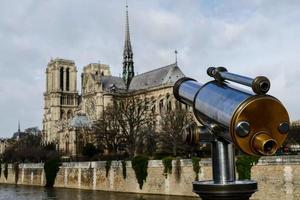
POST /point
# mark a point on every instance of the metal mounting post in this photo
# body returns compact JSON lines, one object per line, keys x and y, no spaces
{"x":224,"y":185}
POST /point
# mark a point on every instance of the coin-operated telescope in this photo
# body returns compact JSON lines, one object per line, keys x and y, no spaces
{"x":253,"y":122}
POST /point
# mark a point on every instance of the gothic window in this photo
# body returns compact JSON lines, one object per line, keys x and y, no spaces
{"x":68,"y":79}
{"x":62,"y":78}
{"x":153,"y":109}
{"x":80,"y":144}
{"x":161,"y":105}
{"x":169,"y":106}
{"x":62,"y":114}
{"x":67,"y":144}
{"x":169,"y":103}
{"x":69,"y":115}
{"x":178,"y":105}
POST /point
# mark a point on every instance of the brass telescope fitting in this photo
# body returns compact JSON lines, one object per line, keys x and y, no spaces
{"x":259,"y":125}
{"x":264,"y":144}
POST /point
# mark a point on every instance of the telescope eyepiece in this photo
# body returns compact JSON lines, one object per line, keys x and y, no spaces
{"x":261,"y":85}
{"x":215,"y":73}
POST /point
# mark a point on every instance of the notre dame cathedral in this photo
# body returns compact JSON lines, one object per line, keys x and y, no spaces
{"x":67,"y":112}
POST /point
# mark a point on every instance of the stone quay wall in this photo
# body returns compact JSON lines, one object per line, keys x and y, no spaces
{"x":277,"y":177}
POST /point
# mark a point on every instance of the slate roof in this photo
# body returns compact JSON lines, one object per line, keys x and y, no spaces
{"x":164,"y":75}
{"x":110,"y":82}
{"x":80,"y":121}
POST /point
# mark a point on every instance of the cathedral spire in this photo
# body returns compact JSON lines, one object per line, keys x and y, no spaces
{"x":19,"y":128}
{"x":128,"y":68}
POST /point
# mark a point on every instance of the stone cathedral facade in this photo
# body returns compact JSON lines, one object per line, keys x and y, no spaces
{"x":69,"y":114}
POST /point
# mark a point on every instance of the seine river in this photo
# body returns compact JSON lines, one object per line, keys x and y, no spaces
{"x":11,"y":192}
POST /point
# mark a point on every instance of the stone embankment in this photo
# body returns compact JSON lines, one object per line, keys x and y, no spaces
{"x":277,"y":177}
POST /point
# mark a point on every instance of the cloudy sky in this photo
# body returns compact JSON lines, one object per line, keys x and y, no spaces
{"x":248,"y":37}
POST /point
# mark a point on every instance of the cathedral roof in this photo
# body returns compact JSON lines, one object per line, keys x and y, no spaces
{"x":80,"y":121}
{"x":157,"y":77}
{"x":112,"y":83}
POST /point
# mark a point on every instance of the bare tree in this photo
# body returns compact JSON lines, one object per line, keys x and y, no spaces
{"x":107,"y":131}
{"x":125,"y":123}
{"x":135,"y":118}
{"x":172,"y":123}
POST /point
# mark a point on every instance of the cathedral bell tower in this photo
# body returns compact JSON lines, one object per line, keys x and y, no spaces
{"x":61,"y":96}
{"x":128,"y":68}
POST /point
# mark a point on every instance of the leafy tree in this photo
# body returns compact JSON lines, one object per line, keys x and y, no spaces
{"x":33,"y":131}
{"x":28,"y":148}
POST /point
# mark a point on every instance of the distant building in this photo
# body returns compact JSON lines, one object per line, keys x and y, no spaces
{"x":3,"y":145}
{"x":6,"y":143}
{"x":19,"y":134}
{"x":69,"y":115}
{"x":293,"y":140}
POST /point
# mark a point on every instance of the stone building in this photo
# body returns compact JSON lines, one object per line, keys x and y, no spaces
{"x":293,"y":140}
{"x":4,"y":144}
{"x":69,"y":115}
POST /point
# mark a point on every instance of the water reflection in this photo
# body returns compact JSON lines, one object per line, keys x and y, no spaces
{"x":11,"y":192}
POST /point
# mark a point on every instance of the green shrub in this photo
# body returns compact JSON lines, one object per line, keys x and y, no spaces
{"x":5,"y":172}
{"x":196,"y":167}
{"x":124,"y":169}
{"x":167,"y":162}
{"x":177,"y":170}
{"x":107,"y":167}
{"x":140,"y":166}
{"x":51,"y":168}
{"x":0,"y":169}
{"x":160,"y":155}
{"x":89,"y":150}
{"x":16,"y":169}
{"x":244,"y":164}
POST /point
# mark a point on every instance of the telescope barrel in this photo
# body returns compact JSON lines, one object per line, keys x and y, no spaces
{"x":256,"y":124}
{"x":186,"y":89}
{"x":259,"y":85}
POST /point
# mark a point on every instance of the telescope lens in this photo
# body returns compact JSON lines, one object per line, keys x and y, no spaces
{"x":264,"y":86}
{"x":264,"y":144}
{"x":261,"y":85}
{"x":269,"y":146}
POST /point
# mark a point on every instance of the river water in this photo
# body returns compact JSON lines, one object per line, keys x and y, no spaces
{"x":11,"y":192}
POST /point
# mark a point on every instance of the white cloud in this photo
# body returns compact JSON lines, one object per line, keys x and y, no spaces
{"x":249,"y":37}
